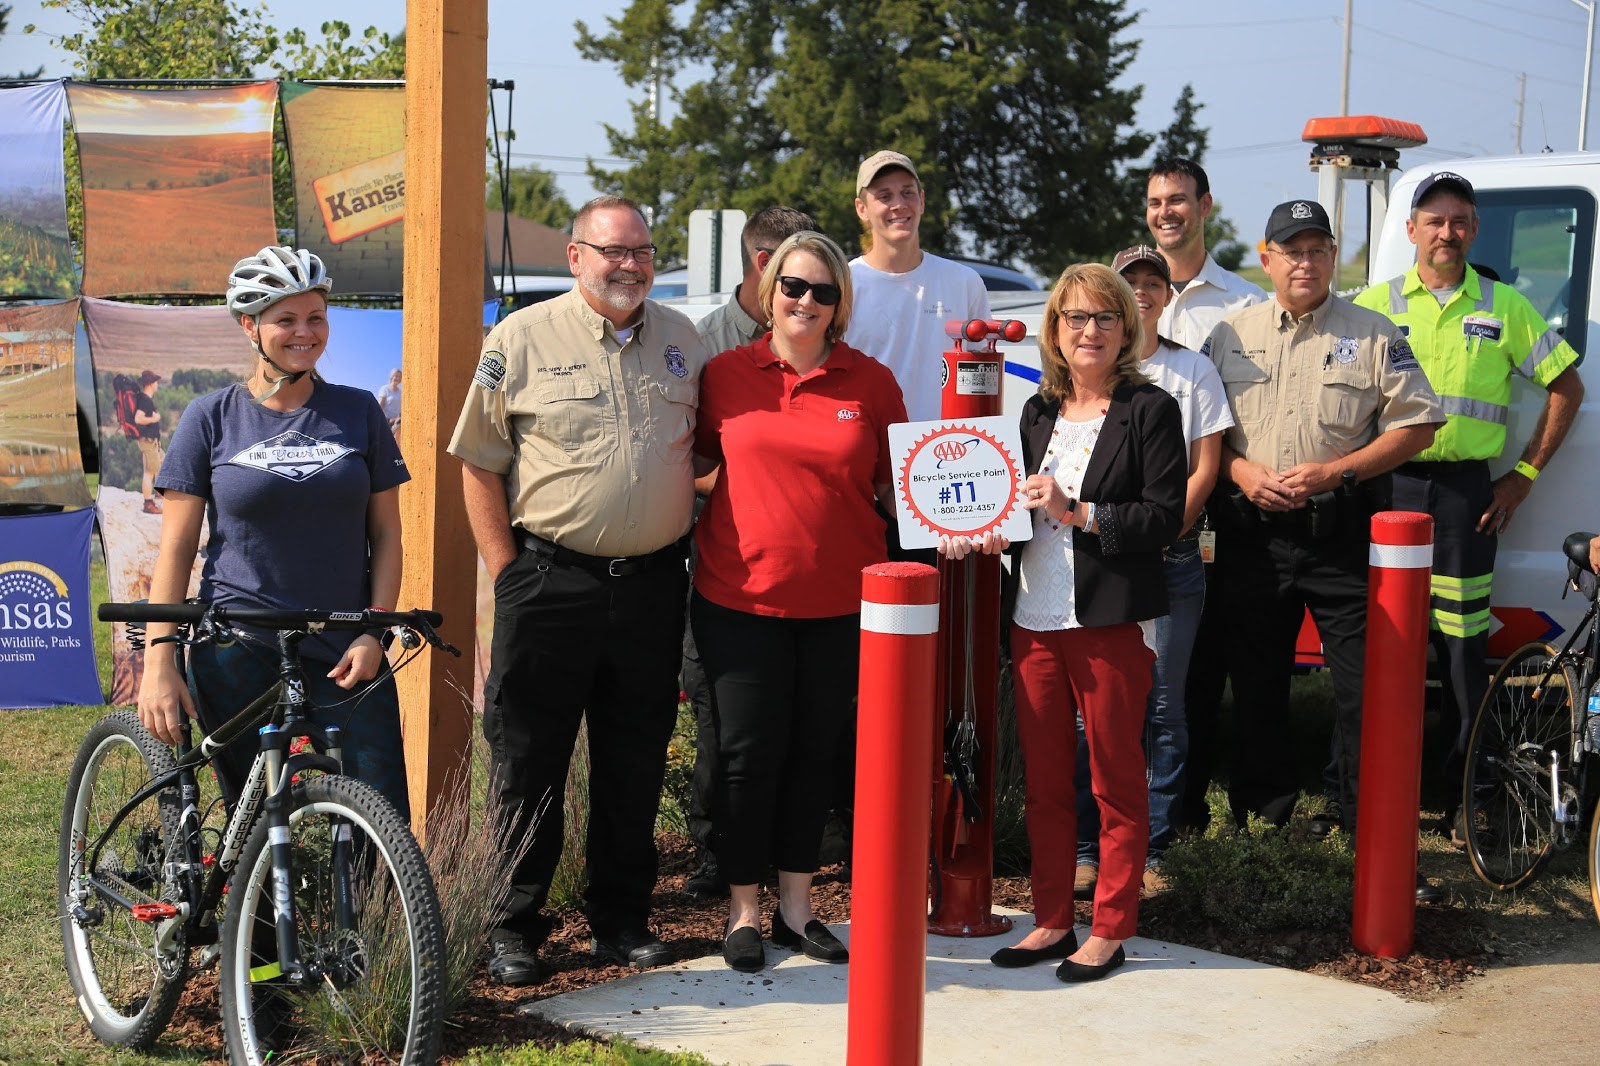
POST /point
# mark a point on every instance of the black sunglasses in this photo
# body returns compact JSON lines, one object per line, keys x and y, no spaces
{"x":825,"y":294}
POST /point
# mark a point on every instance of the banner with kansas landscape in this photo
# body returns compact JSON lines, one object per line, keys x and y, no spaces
{"x":35,"y":251}
{"x":177,"y":185}
{"x":40,"y":464}
{"x":149,"y":362}
{"x":46,"y":643}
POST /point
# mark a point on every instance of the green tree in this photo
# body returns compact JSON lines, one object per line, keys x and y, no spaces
{"x":1185,"y":136}
{"x":531,"y":193}
{"x":167,"y":38}
{"x":375,"y":55}
{"x":5,"y":17}
{"x":1009,"y":111}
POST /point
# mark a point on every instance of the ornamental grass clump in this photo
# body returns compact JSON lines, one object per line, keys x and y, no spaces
{"x":1264,"y":879}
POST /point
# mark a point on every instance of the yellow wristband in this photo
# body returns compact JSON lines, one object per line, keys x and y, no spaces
{"x":1527,"y":470}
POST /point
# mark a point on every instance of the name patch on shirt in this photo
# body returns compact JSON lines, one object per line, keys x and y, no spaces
{"x":491,"y":371}
{"x":675,"y":364}
{"x":1401,"y":358}
{"x":1482,"y":326}
{"x":1205,"y":349}
{"x":291,"y":455}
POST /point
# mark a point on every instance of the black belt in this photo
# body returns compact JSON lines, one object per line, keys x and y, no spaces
{"x":1441,"y":469}
{"x":625,"y":566}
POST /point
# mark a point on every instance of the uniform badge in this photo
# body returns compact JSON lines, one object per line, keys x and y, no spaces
{"x":675,"y":364}
{"x":1402,"y":360}
{"x":1345,"y":348}
{"x":491,"y":371}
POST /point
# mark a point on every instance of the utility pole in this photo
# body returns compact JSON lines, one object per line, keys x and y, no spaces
{"x":1522,"y":98}
{"x":1588,"y":69}
{"x":1344,"y":109}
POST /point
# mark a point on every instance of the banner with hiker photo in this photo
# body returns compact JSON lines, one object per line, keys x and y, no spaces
{"x":35,"y":251}
{"x":177,"y":185}
{"x":40,"y":464}
{"x":149,"y":362}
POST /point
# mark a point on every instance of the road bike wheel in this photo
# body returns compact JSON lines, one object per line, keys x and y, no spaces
{"x":1526,"y":719}
{"x":373,"y":984}
{"x":126,"y":974}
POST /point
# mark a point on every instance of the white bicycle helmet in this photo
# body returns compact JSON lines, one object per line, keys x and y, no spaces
{"x":272,"y":274}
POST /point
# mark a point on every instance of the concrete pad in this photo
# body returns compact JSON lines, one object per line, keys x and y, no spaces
{"x":1168,"y":1004}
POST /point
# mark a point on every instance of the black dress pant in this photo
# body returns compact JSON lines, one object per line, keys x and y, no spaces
{"x":568,"y":643}
{"x":1268,"y":576}
{"x":1202,"y":706}
{"x":781,"y":694}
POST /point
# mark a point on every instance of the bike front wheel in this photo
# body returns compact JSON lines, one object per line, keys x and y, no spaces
{"x":126,"y":972}
{"x":1594,"y":859}
{"x":1525,"y":723}
{"x":370,"y":985}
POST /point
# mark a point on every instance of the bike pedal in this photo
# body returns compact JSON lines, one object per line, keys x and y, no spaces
{"x":154,"y":912}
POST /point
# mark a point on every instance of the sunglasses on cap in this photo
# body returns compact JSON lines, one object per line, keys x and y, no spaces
{"x":794,"y":288}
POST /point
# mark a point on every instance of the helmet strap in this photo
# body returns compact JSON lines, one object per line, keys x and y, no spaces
{"x":275,"y":382}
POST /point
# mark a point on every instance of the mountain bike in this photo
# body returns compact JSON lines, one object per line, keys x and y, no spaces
{"x":330,"y":936}
{"x":1532,"y":742}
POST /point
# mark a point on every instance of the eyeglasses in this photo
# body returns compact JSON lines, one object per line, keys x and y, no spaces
{"x":825,"y":294}
{"x":1305,"y":255}
{"x":1080,"y":319}
{"x":618,"y":253}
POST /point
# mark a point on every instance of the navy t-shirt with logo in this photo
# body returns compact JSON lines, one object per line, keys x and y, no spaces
{"x":286,"y":498}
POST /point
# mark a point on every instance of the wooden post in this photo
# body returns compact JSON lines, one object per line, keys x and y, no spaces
{"x":447,"y":64}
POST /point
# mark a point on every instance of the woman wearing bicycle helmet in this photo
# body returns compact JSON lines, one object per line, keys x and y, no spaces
{"x":298,"y":480}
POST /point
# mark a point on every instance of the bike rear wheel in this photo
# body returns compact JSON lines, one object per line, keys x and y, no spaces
{"x":1526,"y":721}
{"x":373,"y":982}
{"x":126,"y":973}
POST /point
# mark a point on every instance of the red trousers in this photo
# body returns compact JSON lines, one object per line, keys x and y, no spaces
{"x":1103,"y":674}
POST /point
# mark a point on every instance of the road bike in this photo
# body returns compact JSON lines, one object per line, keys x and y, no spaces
{"x":1527,"y":783}
{"x":330,"y":937}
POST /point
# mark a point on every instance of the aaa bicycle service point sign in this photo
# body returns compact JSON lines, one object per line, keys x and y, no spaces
{"x":958,"y":477}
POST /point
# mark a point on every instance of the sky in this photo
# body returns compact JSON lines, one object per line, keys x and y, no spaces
{"x":1261,"y":68}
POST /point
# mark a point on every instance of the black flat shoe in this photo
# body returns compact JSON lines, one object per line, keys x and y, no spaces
{"x":1012,"y":958}
{"x":817,"y":943}
{"x":1073,"y":972}
{"x":743,"y":951}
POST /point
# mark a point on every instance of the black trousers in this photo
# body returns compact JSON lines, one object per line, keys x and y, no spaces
{"x":1203,"y":691}
{"x":781,"y":693}
{"x":569,"y":643}
{"x":1268,"y":576}
{"x":1456,"y":495}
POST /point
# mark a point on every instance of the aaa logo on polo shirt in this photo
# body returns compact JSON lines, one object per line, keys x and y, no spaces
{"x":292,"y":455}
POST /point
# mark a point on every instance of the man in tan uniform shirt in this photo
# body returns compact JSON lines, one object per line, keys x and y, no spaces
{"x":1326,"y":397}
{"x":575,"y":440}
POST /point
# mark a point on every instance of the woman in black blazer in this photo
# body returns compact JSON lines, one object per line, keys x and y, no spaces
{"x":1105,"y":453}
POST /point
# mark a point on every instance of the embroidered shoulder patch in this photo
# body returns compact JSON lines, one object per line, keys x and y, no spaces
{"x":491,"y":371}
{"x":1402,"y":359}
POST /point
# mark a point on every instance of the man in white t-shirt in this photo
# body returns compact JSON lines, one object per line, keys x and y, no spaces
{"x":1177,"y":204}
{"x":903,"y":295}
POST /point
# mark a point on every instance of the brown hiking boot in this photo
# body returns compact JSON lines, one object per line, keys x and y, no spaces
{"x":1083,"y":881}
{"x":152,"y":506}
{"x":1155,"y":882}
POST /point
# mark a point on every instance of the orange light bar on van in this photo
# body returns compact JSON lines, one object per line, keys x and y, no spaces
{"x":1372,"y":130}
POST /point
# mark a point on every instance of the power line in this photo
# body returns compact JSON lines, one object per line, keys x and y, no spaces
{"x":1386,"y":38}
{"x":1497,"y":26}
{"x":1522,"y":12}
{"x":1243,"y":24}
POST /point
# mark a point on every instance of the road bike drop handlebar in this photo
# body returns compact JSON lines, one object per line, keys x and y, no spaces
{"x":218,"y":616}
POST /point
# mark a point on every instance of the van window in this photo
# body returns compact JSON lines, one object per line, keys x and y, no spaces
{"x":1539,"y":241}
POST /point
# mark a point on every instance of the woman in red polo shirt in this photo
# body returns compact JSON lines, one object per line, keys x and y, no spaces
{"x":798,"y":421}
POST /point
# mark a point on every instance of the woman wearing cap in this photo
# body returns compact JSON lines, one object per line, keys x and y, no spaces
{"x":799,"y":422}
{"x":1193,"y":381}
{"x":389,"y":398}
{"x":298,"y":479}
{"x":1106,"y":461}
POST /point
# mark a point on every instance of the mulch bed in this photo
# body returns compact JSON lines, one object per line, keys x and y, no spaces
{"x":1453,"y":943}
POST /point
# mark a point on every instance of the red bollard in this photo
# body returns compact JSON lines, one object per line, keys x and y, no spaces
{"x":894,"y":745}
{"x":1401,"y":564}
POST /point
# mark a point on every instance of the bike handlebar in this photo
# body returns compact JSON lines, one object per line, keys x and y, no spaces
{"x":265,"y":617}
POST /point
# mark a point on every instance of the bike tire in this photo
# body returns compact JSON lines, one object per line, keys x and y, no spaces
{"x":373,"y":993}
{"x":124,"y":982}
{"x":1594,"y":860}
{"x":1506,"y":793}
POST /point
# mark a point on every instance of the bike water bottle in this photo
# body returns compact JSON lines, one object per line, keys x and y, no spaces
{"x":1591,"y":724}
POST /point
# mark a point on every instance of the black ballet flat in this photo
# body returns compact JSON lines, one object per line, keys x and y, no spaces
{"x":743,"y":951}
{"x":1074,"y":972}
{"x":1013,"y":958}
{"x":817,"y":943}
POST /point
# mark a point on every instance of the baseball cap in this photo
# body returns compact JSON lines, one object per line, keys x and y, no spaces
{"x":879,"y":161}
{"x":147,"y":377}
{"x":1296,"y":216}
{"x":1447,"y":178}
{"x":1143,"y":253}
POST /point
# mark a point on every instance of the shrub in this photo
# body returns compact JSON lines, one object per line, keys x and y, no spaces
{"x":1261,"y":880}
{"x":677,"y":786}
